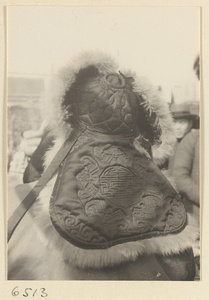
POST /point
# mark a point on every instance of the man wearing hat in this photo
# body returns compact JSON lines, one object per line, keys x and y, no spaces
{"x":184,"y":122}
{"x":184,"y":164}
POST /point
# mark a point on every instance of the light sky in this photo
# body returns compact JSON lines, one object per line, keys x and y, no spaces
{"x":161,"y":43}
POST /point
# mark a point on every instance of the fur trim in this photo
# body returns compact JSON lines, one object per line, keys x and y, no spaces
{"x":153,"y":101}
{"x":63,"y":81}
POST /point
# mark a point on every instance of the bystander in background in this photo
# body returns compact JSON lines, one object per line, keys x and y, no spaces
{"x":185,"y":169}
{"x":184,"y":122}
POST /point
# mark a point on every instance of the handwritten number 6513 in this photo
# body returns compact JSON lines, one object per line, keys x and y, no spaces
{"x":27,"y":292}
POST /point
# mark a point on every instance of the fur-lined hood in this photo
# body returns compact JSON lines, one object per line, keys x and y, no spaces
{"x":153,"y":102}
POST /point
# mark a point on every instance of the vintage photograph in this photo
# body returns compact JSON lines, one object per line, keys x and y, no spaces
{"x":103,"y":107}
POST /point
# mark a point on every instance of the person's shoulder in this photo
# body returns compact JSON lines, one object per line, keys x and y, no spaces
{"x":190,"y":138}
{"x":195,"y":134}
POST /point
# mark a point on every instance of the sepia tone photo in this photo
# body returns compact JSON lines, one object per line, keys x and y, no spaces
{"x":103,"y":107}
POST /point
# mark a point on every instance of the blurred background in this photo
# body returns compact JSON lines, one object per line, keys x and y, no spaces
{"x":160,"y":43}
